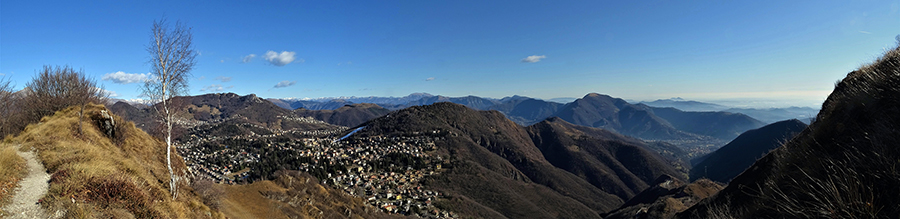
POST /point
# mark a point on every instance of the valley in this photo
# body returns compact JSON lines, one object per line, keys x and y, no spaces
{"x":401,"y":161}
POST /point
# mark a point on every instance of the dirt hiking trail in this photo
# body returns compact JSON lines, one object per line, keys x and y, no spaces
{"x":25,"y":198}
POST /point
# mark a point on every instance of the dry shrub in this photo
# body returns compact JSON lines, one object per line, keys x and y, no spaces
{"x":210,"y":192}
{"x":116,"y":191}
{"x":118,"y":213}
{"x":54,"y":89}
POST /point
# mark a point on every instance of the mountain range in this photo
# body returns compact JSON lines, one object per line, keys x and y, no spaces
{"x":552,"y":169}
{"x":593,"y":110}
{"x":766,"y":115}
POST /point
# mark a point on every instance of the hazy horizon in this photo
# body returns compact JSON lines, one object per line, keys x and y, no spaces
{"x":752,"y":54}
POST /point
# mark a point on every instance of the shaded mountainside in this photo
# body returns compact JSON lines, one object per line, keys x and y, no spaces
{"x":733,"y":158}
{"x":211,"y":107}
{"x":292,"y":104}
{"x":348,"y":115}
{"x":526,"y":111}
{"x":495,"y":170}
{"x":844,"y":165}
{"x":478,"y":103}
{"x":722,"y":125}
{"x":614,"y":163}
{"x":602,"y":111}
{"x":493,"y":166}
{"x":141,"y":117}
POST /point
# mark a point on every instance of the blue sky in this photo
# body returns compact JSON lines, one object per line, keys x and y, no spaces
{"x":771,"y":53}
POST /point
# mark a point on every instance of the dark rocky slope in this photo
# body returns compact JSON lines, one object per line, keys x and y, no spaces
{"x":844,"y":165}
{"x":733,"y":158}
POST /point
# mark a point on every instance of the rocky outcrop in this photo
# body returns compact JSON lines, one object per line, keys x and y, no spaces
{"x":106,"y":123}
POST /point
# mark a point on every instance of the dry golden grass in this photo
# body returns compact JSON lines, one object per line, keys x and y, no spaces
{"x":294,"y":195}
{"x":12,"y":169}
{"x":247,"y":201}
{"x":93,"y":176}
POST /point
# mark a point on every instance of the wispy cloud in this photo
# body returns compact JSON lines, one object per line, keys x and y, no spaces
{"x":285,"y":84}
{"x":280,"y":59}
{"x":533,"y":59}
{"x":248,"y":58}
{"x":865,"y":32}
{"x":213,"y":88}
{"x":429,"y":79}
{"x":108,"y":93}
{"x":126,"y":78}
{"x":1,"y":74}
{"x":223,"y":79}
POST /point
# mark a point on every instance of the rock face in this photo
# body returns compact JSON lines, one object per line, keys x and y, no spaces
{"x":106,"y":123}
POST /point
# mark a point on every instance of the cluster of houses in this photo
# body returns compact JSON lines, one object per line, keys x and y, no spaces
{"x":392,"y":187}
{"x":368,"y":165}
{"x":201,"y":162}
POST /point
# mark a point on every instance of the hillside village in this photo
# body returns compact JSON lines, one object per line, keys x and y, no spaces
{"x":384,"y":171}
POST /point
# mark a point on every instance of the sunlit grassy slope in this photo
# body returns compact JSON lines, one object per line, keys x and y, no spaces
{"x":12,"y":169}
{"x":96,"y":176}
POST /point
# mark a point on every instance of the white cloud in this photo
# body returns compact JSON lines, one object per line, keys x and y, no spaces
{"x":213,"y":88}
{"x":108,"y":93}
{"x":126,"y":78}
{"x":281,"y":59}
{"x":865,"y":32}
{"x":1,"y":74}
{"x":285,"y":84}
{"x":223,"y":79}
{"x":248,"y":58}
{"x":429,"y":79}
{"x":533,"y":59}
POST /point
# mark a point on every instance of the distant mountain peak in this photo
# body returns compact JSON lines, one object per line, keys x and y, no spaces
{"x":419,"y":94}
{"x":594,"y":95}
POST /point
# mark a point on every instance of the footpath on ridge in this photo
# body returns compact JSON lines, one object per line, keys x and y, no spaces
{"x":25,"y":198}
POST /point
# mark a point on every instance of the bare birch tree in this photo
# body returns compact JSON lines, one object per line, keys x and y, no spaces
{"x":172,"y":59}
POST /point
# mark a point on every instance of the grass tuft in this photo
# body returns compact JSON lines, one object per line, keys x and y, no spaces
{"x":12,"y":171}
